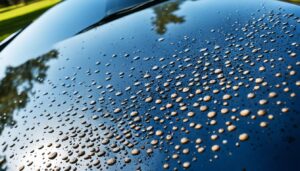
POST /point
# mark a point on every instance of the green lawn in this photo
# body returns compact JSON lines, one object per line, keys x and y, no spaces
{"x":14,"y":18}
{"x":293,"y":1}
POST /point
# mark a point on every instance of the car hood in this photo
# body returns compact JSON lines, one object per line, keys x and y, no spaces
{"x":61,"y":22}
{"x":204,"y":85}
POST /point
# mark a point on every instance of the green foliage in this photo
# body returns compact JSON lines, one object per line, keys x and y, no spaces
{"x":165,"y":15}
{"x":16,"y":86}
{"x":16,"y":17}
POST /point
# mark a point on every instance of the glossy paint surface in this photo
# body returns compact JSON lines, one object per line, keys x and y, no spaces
{"x":198,"y":85}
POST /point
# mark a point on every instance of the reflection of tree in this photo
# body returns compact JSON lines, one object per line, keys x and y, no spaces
{"x":2,"y":161}
{"x":16,"y":85}
{"x":165,"y":15}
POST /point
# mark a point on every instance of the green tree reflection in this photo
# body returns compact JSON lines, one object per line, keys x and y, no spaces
{"x":2,"y":162}
{"x":165,"y":15}
{"x":16,"y":86}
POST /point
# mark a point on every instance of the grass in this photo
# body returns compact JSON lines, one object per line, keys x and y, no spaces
{"x":292,"y":1}
{"x":16,"y":17}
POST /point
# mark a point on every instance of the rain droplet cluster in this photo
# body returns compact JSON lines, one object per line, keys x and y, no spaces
{"x":180,"y":105}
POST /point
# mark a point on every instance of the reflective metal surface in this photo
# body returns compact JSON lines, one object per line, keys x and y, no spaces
{"x":198,"y":85}
{"x":61,"y":22}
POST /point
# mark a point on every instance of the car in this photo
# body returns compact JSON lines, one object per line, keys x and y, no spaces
{"x":153,"y":85}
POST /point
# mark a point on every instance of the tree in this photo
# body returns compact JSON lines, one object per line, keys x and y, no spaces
{"x":12,"y":2}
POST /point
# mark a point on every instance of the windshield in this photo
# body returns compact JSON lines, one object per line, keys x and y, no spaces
{"x":113,"y":6}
